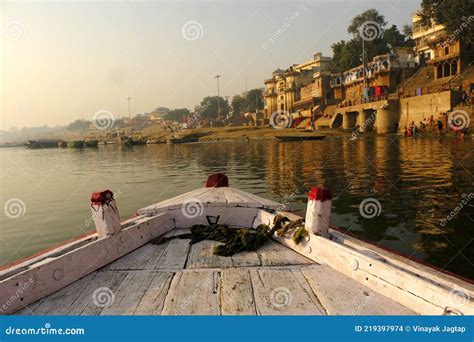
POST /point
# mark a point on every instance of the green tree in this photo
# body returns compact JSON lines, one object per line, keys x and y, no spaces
{"x":208,"y":107}
{"x":177,"y":114}
{"x":453,"y":14}
{"x":379,"y":40}
{"x":239,"y":104}
{"x":254,"y":98}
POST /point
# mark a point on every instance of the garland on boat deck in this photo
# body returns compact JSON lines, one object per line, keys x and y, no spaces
{"x":241,"y":239}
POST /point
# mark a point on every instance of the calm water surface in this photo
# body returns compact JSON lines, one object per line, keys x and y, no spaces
{"x":418,"y":182}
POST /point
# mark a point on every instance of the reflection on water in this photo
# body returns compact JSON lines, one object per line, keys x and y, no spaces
{"x":417,"y":182}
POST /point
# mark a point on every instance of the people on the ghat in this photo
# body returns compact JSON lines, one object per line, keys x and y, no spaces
{"x":464,"y":98}
{"x":431,"y":122}
{"x":422,"y":128}
{"x":440,"y":127}
{"x":405,"y":131}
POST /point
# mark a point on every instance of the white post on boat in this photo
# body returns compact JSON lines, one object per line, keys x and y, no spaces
{"x":105,"y":213}
{"x":318,"y":211}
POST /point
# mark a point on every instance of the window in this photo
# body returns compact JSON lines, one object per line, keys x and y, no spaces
{"x":446,"y":50}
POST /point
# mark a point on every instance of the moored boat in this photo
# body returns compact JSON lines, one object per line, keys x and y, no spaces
{"x":92,"y":143}
{"x":146,"y":265}
{"x":43,"y":143}
{"x":78,"y":144}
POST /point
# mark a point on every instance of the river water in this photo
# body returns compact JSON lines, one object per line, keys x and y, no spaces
{"x":412,"y":185}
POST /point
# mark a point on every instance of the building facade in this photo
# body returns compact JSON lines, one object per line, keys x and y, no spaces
{"x":287,"y":90}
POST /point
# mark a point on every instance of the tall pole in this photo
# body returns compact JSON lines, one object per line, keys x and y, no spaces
{"x":218,"y":105}
{"x":129,"y":113}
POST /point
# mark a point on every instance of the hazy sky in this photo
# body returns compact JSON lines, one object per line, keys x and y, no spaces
{"x":63,"y":60}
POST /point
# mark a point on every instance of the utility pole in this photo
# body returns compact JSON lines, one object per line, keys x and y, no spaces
{"x":218,"y":105}
{"x":129,"y":114}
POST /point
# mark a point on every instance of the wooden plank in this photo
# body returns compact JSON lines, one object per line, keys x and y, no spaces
{"x":246,"y":259}
{"x":175,"y":255}
{"x":143,"y":258}
{"x":278,"y":292}
{"x":193,"y":293}
{"x":401,"y":261}
{"x":58,"y":272}
{"x":202,"y":255}
{"x":153,"y":300}
{"x":130,"y":293}
{"x":410,"y":289}
{"x":341,"y":295}
{"x":275,"y":254}
{"x":172,"y":203}
{"x":94,"y":297}
{"x":59,"y":302}
{"x":237,"y":293}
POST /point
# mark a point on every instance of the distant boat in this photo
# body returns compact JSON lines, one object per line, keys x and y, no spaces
{"x":92,"y":143}
{"x":78,"y":144}
{"x":43,"y":143}
{"x":299,"y":137}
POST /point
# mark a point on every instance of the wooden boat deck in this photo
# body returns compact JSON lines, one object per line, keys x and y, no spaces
{"x":178,"y":279}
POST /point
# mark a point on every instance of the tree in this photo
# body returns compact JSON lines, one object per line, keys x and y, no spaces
{"x":254,"y":98}
{"x":379,"y":40}
{"x":208,"y":107}
{"x":407,"y":31}
{"x":455,"y":15}
{"x":239,"y":104}
{"x":78,"y":125}
{"x":177,"y":114}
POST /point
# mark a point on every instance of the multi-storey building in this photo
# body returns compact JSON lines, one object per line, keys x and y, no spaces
{"x":289,"y":87}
